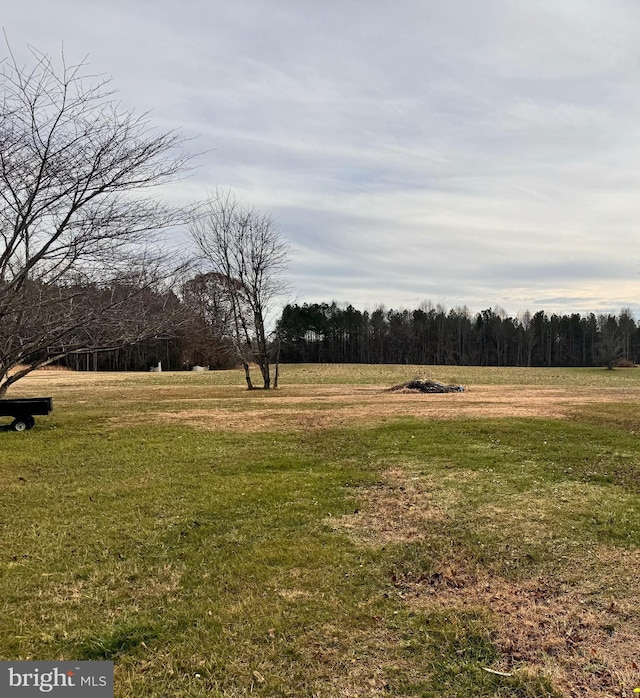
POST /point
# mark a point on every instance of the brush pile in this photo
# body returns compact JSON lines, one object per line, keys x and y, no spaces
{"x":422,"y":385}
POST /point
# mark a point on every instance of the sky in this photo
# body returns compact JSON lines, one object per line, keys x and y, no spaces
{"x":471,"y":152}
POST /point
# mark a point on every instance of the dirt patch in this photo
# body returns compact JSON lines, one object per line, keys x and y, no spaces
{"x":575,"y":628}
{"x":543,"y":626}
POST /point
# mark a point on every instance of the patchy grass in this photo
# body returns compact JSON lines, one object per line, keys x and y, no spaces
{"x":409,"y":551}
{"x":344,"y":374}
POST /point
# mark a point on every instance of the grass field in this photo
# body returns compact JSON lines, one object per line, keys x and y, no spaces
{"x":330,"y":538}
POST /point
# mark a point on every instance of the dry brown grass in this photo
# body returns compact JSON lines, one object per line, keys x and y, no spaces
{"x":321,"y":407}
{"x":397,"y":510}
{"x":174,"y":398}
{"x":543,"y":625}
{"x":362,"y":658}
{"x":572,"y":627}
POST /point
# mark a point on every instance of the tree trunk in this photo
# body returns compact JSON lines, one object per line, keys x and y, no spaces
{"x":277,"y":373}
{"x":266,"y":373}
{"x":247,"y":375}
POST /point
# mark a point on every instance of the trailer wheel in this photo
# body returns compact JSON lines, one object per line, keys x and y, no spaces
{"x":20,"y":424}
{"x":30,"y":422}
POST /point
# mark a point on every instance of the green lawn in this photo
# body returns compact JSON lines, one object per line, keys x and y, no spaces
{"x":408,"y":557}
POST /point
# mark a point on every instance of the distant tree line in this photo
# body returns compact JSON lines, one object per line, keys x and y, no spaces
{"x":331,"y":333}
{"x":188,"y":332}
{"x":193,"y":334}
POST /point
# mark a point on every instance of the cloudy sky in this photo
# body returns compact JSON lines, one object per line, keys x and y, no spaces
{"x":470,"y":152}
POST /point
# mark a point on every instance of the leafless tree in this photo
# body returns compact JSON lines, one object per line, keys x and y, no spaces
{"x":78,"y":221}
{"x":207,"y":326}
{"x":246,"y":253}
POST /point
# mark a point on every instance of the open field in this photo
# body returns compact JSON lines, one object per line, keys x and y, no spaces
{"x":330,"y":538}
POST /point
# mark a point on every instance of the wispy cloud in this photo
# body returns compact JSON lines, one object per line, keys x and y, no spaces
{"x":471,"y":153}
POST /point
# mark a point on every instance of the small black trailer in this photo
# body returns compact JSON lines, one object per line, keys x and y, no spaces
{"x":22,"y":411}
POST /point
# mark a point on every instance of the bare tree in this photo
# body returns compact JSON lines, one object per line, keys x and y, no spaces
{"x":207,"y":323}
{"x":248,"y":257}
{"x":78,"y":223}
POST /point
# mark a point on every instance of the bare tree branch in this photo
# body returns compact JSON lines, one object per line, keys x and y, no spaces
{"x":245,"y":251}
{"x":77,"y":219}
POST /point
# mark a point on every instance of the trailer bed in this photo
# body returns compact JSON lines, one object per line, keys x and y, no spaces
{"x":23,"y":409}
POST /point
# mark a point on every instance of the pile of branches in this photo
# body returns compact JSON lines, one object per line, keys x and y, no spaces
{"x":422,"y":385}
